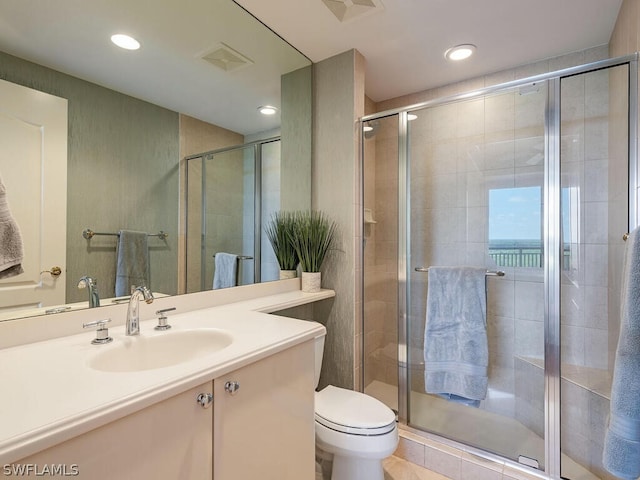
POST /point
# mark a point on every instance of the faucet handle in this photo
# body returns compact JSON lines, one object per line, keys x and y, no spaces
{"x":162,"y":319}
{"x":102,"y":333}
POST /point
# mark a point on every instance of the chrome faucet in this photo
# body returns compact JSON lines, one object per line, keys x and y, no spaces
{"x":133,"y":319}
{"x":92,"y":285}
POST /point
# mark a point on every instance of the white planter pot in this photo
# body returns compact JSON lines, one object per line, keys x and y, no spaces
{"x":311,"y":282}
{"x":286,"y":274}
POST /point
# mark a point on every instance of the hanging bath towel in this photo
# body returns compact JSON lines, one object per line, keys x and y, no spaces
{"x":132,"y":267}
{"x":621,"y":454}
{"x":10,"y":240}
{"x":455,"y":339}
{"x":226,"y":270}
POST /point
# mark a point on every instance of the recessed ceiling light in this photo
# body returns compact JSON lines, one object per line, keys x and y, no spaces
{"x":411,"y":116}
{"x":367,"y":128}
{"x":125,"y":41}
{"x":460,"y":52}
{"x":267,"y":110}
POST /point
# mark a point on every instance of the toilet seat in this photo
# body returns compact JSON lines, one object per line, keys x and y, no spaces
{"x":353,"y":412}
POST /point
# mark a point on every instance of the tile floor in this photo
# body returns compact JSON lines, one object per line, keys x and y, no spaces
{"x":398,"y":469}
{"x":395,"y":468}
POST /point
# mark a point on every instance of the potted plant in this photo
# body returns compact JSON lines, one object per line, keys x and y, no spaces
{"x":312,"y":237}
{"x":279,"y":231}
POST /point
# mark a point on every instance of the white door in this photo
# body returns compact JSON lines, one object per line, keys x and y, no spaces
{"x":33,"y":168}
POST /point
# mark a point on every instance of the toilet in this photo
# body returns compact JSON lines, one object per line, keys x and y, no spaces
{"x":355,"y":430}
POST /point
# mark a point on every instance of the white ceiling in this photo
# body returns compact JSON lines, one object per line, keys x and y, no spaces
{"x":72,"y":36}
{"x":403,"y":43}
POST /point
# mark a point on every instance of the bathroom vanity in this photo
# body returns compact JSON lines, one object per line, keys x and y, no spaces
{"x":243,"y":410}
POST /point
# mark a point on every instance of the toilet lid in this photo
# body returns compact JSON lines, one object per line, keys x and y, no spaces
{"x":353,"y":412}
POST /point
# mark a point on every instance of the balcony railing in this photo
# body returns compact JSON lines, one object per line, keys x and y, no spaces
{"x":524,"y":254}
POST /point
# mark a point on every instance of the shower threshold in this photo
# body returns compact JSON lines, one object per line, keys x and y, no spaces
{"x":435,"y":416}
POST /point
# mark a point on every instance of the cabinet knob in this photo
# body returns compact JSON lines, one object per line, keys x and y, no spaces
{"x":232,"y":387}
{"x":205,"y":399}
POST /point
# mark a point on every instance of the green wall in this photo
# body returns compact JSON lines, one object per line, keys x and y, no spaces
{"x":123,"y":157}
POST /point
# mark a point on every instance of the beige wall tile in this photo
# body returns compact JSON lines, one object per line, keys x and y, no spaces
{"x":410,"y":450}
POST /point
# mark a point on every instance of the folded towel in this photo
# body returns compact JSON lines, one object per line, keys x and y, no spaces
{"x":10,"y":240}
{"x":456,"y":349}
{"x":132,"y":267}
{"x":621,"y":453}
{"x":226,"y":270}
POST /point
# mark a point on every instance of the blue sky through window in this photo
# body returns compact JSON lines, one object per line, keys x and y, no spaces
{"x":515,"y":213}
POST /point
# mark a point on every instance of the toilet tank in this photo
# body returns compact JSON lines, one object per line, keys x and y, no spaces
{"x":319,"y":343}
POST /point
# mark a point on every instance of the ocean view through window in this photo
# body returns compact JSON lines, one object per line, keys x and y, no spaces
{"x":515,"y":227}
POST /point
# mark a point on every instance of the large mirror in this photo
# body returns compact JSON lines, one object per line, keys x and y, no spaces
{"x":134,"y":117}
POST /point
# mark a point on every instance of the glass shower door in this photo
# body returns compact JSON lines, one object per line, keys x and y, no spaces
{"x":221,"y":198}
{"x":380,"y":260}
{"x":595,"y":205}
{"x":476,"y":175}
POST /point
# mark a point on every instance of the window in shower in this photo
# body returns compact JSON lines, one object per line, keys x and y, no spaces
{"x":515,"y":226}
{"x":521,"y":208}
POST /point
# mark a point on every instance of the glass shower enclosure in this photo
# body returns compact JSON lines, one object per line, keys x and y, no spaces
{"x":230,"y":192}
{"x":534,"y":180}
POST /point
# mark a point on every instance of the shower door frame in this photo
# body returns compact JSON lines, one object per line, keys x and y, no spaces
{"x":256,"y":146}
{"x":552,"y":234}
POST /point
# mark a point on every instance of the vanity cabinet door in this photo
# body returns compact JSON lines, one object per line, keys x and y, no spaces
{"x":169,"y":440}
{"x":265,"y":428}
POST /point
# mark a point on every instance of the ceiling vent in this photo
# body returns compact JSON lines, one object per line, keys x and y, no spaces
{"x":226,"y":58}
{"x":346,"y":10}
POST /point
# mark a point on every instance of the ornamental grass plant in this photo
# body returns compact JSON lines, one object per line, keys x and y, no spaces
{"x":312,"y":236}
{"x":279,"y":231}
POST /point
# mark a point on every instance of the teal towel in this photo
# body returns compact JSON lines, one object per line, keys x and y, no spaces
{"x":621,"y":453}
{"x":456,"y":351}
{"x":132,"y":267}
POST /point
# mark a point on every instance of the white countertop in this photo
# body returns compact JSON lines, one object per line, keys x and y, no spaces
{"x":50,"y":393}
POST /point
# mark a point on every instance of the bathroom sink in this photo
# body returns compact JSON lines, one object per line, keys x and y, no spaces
{"x":137,"y":353}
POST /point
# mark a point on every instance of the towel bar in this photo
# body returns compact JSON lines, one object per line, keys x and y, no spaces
{"x":490,"y":273}
{"x":88,"y":234}
{"x":240,"y":257}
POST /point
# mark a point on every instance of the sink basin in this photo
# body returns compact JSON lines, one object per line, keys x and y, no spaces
{"x":139,"y":353}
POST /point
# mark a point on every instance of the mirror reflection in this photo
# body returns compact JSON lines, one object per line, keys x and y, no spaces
{"x":125,"y":161}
